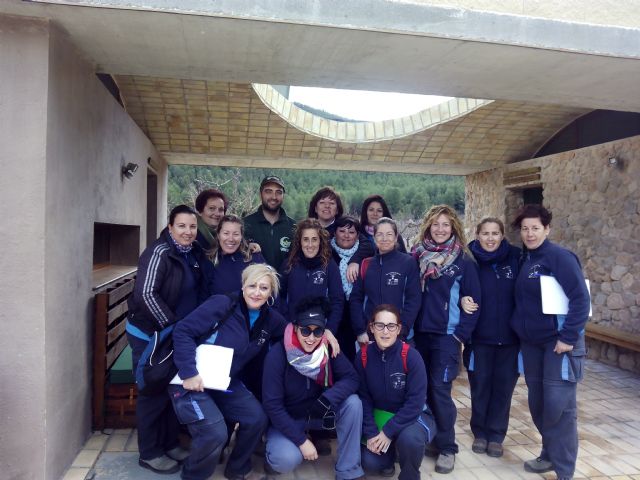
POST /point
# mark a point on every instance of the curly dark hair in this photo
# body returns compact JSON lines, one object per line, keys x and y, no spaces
{"x":325,"y":192}
{"x":364,"y":221}
{"x":325,"y":247}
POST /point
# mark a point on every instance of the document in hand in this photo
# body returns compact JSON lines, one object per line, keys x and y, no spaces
{"x":554,"y":300}
{"x":214,"y":364}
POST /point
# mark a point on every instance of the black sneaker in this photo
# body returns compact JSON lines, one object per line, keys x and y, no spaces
{"x":323,"y":446}
{"x":538,"y":465}
{"x":479,"y":445}
{"x":388,"y":472}
{"x":162,"y":465}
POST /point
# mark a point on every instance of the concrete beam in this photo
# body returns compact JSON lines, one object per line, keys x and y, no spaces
{"x":248,"y":161}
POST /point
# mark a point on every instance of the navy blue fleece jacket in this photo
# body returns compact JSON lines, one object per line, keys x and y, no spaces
{"x":533,"y":326}
{"x":288,"y":395}
{"x":441,"y":312}
{"x":228,"y":271}
{"x":390,"y":278}
{"x":385,"y":385}
{"x":497,"y":282}
{"x":303,"y":281}
{"x":235,"y":332}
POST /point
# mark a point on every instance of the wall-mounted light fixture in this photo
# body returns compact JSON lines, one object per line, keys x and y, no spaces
{"x":129,"y":169}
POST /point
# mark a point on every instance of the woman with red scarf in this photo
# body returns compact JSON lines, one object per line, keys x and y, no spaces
{"x":448,"y":272}
{"x":306,"y":389}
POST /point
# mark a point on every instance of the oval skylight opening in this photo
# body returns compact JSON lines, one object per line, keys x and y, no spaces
{"x":360,"y":105}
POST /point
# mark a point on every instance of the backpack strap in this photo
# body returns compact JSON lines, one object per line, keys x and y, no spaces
{"x":404,"y":353}
{"x":364,"y":266}
{"x":363,"y":354}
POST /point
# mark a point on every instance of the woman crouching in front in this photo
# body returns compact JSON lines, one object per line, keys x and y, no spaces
{"x":393,"y":386}
{"x":308,"y":390}
{"x":246,"y":324}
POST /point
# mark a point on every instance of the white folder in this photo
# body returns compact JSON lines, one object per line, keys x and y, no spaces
{"x":554,"y":300}
{"x":214,"y":365}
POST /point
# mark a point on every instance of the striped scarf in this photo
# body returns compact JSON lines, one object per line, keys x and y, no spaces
{"x":433,"y":257}
{"x":314,"y":365}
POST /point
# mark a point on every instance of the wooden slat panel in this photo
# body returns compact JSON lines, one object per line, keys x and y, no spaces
{"x":523,"y":179}
{"x":521,"y":172}
{"x":121,"y":291}
{"x":117,"y":311}
{"x":115,"y":332}
{"x":115,"y":350}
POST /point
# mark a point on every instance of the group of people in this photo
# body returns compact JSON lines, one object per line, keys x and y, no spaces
{"x":337,"y":328}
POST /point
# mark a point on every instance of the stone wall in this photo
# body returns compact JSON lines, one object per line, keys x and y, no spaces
{"x":484,"y":197}
{"x":596,"y":214}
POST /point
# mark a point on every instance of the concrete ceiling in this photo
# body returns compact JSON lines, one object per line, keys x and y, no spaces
{"x":363,"y":44}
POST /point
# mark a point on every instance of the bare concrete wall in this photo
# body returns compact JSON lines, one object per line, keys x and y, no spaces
{"x":23,"y":89}
{"x":63,"y":140}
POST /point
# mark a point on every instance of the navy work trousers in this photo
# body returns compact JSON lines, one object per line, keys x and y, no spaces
{"x":441,"y":355}
{"x":156,"y":421}
{"x":205,"y":413}
{"x":552,"y":381}
{"x":493,"y":373}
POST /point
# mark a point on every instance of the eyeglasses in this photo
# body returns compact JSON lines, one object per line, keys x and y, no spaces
{"x":385,"y":236}
{"x":306,"y":331}
{"x":391,"y":327}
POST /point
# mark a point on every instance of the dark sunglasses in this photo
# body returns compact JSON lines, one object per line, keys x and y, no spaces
{"x":306,"y":331}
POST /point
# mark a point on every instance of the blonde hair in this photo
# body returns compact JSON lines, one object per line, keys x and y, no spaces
{"x":255,"y":272}
{"x":456,"y":226}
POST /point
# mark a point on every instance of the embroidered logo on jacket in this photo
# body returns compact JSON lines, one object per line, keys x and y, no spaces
{"x":285,"y":244}
{"x":318,"y":277}
{"x":398,"y":381}
{"x":507,"y":272}
{"x":534,"y":271}
{"x":451,"y":271}
{"x":393,"y":278}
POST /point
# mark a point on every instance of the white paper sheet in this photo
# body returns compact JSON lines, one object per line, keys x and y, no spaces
{"x":554,"y":300}
{"x":214,"y":365}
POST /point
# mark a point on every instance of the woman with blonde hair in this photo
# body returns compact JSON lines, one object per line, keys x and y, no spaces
{"x":447,"y":273}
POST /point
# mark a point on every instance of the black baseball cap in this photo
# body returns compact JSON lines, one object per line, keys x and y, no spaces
{"x":312,"y":316}
{"x":272,"y":179}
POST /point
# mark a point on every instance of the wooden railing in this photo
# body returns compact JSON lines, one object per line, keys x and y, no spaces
{"x":110,"y":340}
{"x":613,"y":336}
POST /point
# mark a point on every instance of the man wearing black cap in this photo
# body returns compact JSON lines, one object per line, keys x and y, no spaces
{"x":269,"y":226}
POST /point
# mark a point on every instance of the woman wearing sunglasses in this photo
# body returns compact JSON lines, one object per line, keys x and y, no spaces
{"x":393,"y":386}
{"x":308,"y":390}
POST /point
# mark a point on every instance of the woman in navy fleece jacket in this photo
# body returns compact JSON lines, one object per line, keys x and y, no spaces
{"x":447,"y":272}
{"x":311,"y":272}
{"x":552,"y":346}
{"x":393,"y":380}
{"x":491,"y":357}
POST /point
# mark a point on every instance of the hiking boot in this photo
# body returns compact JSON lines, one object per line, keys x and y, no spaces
{"x":479,"y":445}
{"x":494,"y":449}
{"x":431,"y":451}
{"x":387,"y":472}
{"x":244,"y":476}
{"x":178,"y":454}
{"x":161,"y":465}
{"x":323,"y":446}
{"x":445,"y":462}
{"x":538,"y":465}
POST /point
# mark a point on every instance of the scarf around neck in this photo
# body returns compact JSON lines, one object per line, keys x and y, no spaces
{"x":314,"y":365}
{"x":482,"y":256}
{"x":345,"y":255}
{"x":181,"y":248}
{"x":433,"y":257}
{"x":209,"y":233}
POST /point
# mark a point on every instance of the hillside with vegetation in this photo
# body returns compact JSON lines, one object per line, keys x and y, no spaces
{"x":408,"y":195}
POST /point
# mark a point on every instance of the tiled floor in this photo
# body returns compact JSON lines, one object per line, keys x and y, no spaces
{"x":609,"y":426}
